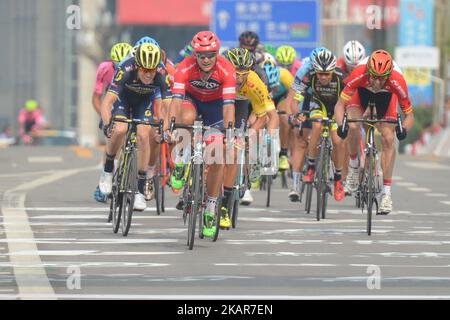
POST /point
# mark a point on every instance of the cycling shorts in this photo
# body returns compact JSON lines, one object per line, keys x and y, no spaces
{"x":385,"y":103}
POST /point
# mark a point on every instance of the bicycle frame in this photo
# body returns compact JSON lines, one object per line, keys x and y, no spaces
{"x":369,"y":186}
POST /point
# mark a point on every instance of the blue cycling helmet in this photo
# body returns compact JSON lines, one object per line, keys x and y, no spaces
{"x":315,"y":52}
{"x":146,"y":40}
{"x":272,"y":72}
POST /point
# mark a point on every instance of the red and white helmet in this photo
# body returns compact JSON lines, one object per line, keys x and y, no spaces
{"x":205,"y":41}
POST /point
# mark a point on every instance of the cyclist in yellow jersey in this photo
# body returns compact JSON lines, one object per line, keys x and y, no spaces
{"x":251,"y":89}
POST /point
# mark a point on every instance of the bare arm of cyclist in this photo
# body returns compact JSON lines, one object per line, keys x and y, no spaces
{"x":97,"y":102}
{"x":408,"y":122}
{"x":106,"y":107}
{"x":228,"y":114}
{"x":339,"y":110}
{"x":173,"y":112}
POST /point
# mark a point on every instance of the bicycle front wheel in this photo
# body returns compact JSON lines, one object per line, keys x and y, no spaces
{"x":371,"y":193}
{"x":196,"y":205}
{"x":269,"y":189}
{"x":130,"y":192}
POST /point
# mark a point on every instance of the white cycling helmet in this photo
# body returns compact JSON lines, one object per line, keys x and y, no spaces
{"x":354,"y":52}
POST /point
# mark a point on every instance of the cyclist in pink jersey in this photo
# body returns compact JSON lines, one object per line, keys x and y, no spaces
{"x":204,"y":84}
{"x":105,"y":73}
{"x":31,"y":120}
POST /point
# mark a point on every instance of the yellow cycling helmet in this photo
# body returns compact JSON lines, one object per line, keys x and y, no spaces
{"x":120,"y":51}
{"x":286,"y":55}
{"x":31,"y":105}
{"x":148,"y":56}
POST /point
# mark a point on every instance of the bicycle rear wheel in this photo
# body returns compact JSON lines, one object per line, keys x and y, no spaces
{"x":234,"y":213}
{"x":130,"y":193}
{"x":157,"y":185}
{"x":309,"y":190}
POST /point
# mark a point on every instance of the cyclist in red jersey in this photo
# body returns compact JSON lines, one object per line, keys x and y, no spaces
{"x":377,"y":79}
{"x":204,"y":84}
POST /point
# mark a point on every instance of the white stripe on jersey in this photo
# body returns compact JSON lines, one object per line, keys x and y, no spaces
{"x":229,"y":90}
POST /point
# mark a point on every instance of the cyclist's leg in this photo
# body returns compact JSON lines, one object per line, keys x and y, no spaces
{"x":355,"y":111}
{"x":338,"y":159}
{"x":113,"y":144}
{"x":316,"y":112}
{"x":387,"y":109}
{"x":212,"y":113}
{"x":143,"y":111}
{"x":188,"y":115}
{"x":284,"y":135}
{"x":241,"y":114}
{"x":299,"y":148}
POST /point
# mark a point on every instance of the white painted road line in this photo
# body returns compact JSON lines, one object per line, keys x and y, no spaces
{"x":45,"y":159}
{"x":437,"y":195}
{"x":406,"y":184}
{"x":418,"y":189}
{"x":445,"y":202}
{"x":29,"y":272}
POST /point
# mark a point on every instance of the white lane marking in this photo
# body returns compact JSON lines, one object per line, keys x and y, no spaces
{"x":88,"y":209}
{"x":445,"y":202}
{"x":85,"y":241}
{"x":406,"y":184}
{"x":400,"y":266}
{"x":403,"y":242}
{"x":418,"y":189}
{"x":92,"y":253}
{"x":274,"y":265}
{"x":289,"y":254}
{"x":29,"y":272}
{"x":91,"y":216}
{"x":30,"y":279}
{"x":25,"y":174}
{"x":397,"y":178}
{"x":411,"y":255}
{"x":96,"y":264}
{"x":443,"y":195}
{"x":102,"y":296}
{"x":427,"y":165}
{"x":45,"y":159}
{"x":364,"y":279}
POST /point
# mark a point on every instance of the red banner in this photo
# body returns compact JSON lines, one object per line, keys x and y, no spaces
{"x":164,"y":12}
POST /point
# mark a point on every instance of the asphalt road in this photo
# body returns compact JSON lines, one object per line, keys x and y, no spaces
{"x":55,"y":241}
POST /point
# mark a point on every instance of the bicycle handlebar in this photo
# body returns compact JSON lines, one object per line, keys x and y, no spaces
{"x":174,"y":126}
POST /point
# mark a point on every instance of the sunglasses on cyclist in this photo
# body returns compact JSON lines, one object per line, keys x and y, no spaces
{"x":325,"y":74}
{"x":379,"y":78}
{"x":144,"y":70}
{"x":205,"y":55}
{"x":242,"y":72}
